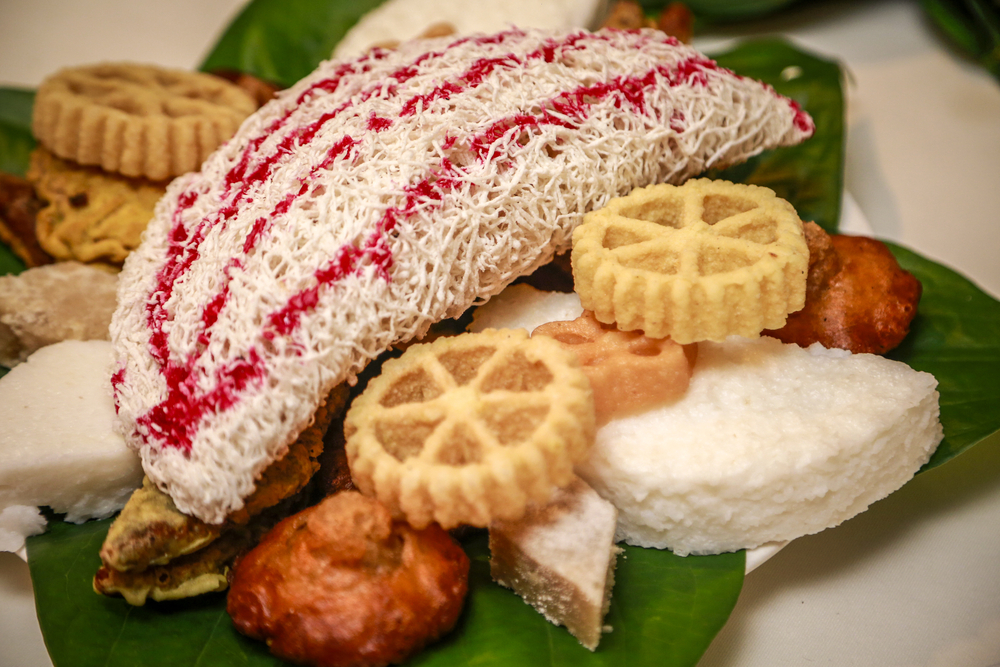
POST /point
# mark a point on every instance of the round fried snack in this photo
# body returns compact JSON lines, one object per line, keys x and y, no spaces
{"x":137,"y":120}
{"x":89,"y":215}
{"x":628,"y":371}
{"x":342,"y":584}
{"x":472,"y":428}
{"x":866,"y":306}
{"x":702,"y":261}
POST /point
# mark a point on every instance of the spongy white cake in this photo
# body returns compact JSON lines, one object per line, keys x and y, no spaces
{"x":399,"y":20}
{"x":770,"y":443}
{"x":561,"y":559}
{"x":58,"y":446}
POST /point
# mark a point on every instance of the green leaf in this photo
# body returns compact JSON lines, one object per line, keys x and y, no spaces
{"x":810,"y":175}
{"x":16,"y":140}
{"x":956,"y":337}
{"x":283,"y":40}
{"x":665,"y":611}
{"x":721,"y":10}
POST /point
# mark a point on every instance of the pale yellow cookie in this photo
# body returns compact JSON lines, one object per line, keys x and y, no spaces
{"x":137,"y":120}
{"x":471,"y":428}
{"x":701,"y":261}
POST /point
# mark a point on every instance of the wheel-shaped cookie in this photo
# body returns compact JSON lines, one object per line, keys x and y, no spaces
{"x":701,"y":261}
{"x":137,"y":120}
{"x":470,"y":429}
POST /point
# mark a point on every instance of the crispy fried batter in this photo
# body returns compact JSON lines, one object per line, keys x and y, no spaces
{"x":151,"y":530}
{"x":627,"y":15}
{"x":18,"y":209}
{"x":341,"y":583}
{"x":824,"y":263}
{"x":866,"y":307}
{"x":89,"y":215}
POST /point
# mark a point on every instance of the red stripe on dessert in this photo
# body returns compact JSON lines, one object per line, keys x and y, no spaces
{"x":176,"y":419}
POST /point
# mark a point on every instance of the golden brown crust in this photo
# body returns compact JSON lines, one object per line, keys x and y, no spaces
{"x":137,"y":120}
{"x":89,"y":215}
{"x":18,"y":209}
{"x":471,"y":428}
{"x":342,"y":584}
{"x":867,"y":306}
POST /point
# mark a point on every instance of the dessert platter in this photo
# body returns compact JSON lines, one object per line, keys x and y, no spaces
{"x":377,"y":204}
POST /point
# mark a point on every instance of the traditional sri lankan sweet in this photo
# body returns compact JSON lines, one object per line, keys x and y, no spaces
{"x":343,"y":584}
{"x":470,"y":429}
{"x":865,"y":305}
{"x":137,"y":120}
{"x":87,"y":214}
{"x":702,"y":261}
{"x":380,"y":195}
{"x":628,"y":371}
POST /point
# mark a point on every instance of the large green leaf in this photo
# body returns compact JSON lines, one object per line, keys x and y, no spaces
{"x":665,"y":611}
{"x":956,"y":337}
{"x":283,"y":40}
{"x":810,"y":175}
{"x":721,"y":10}
{"x":16,"y":141}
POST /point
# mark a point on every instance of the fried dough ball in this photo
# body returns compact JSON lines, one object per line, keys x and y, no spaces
{"x":866,"y":307}
{"x":342,"y":584}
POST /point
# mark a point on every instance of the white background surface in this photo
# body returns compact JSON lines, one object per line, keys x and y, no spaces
{"x":915,"y":581}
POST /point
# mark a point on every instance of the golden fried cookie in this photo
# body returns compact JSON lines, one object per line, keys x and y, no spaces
{"x":702,"y":261}
{"x":470,"y":429}
{"x":89,"y":215}
{"x":341,"y":584}
{"x":628,"y":371}
{"x":137,"y":120}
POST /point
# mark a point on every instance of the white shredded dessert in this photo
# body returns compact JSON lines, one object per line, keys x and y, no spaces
{"x":378,"y":196}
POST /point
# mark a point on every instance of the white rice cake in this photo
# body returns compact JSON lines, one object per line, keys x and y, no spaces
{"x":57,"y":445}
{"x":400,"y":20}
{"x":561,"y":559}
{"x":770,"y":443}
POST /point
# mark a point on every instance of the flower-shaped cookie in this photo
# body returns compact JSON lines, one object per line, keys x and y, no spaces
{"x":701,"y":261}
{"x":137,"y":120}
{"x":628,"y":371}
{"x":470,"y":429}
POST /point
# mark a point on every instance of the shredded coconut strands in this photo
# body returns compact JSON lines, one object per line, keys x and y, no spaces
{"x":380,"y":195}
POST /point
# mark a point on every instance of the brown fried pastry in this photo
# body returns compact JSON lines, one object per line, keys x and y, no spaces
{"x":137,"y":120}
{"x":341,"y":584}
{"x":151,"y":531}
{"x":18,"y":208}
{"x":867,"y":306}
{"x":89,"y":215}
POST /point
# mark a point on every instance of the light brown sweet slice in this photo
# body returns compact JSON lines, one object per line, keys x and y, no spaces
{"x":561,"y":559}
{"x":628,"y":371}
{"x":470,"y":429}
{"x":138,"y":120}
{"x":701,"y":261}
